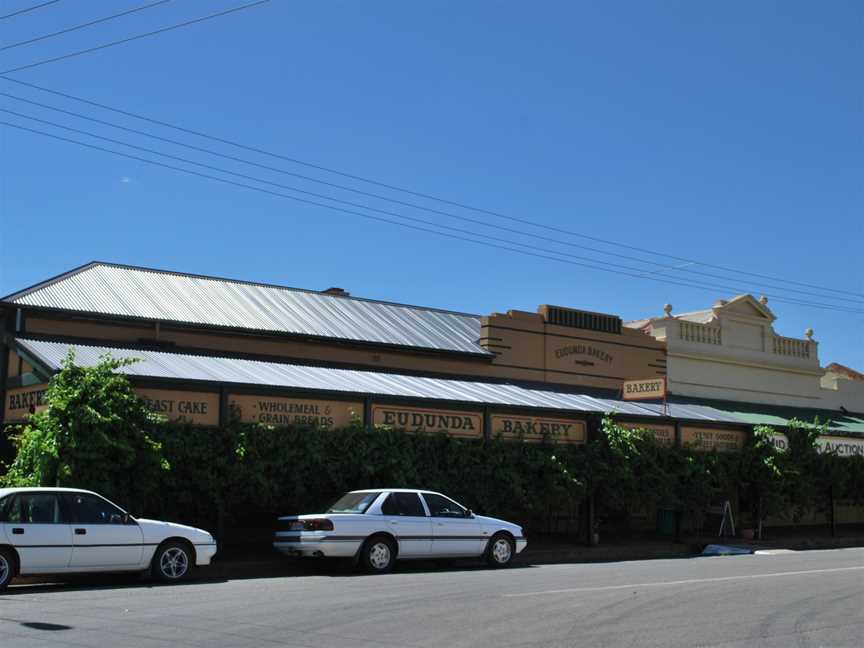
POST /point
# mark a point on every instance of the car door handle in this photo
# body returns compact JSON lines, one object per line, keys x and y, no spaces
{"x":393,"y":523}
{"x":440,"y":524}
{"x":80,"y":531}
{"x":18,"y":531}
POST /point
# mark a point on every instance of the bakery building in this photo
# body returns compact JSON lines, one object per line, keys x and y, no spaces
{"x":209,"y":348}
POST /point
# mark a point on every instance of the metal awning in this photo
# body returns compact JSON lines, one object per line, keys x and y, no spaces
{"x":778,"y":416}
{"x":180,"y":366}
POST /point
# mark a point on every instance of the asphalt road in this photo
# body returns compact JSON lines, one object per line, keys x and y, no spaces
{"x":811,"y":598}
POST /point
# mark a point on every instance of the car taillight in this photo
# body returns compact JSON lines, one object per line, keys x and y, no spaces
{"x":321,"y":524}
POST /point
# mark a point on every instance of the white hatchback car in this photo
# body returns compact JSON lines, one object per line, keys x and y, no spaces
{"x":64,"y":530}
{"x":378,"y":526}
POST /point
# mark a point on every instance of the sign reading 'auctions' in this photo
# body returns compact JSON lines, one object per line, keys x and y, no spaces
{"x":644,"y":389}
{"x":281,"y":411}
{"x":536,"y":429}
{"x":414,"y":419}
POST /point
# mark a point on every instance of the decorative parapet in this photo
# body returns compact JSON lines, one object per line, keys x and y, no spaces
{"x":702,"y":333}
{"x":793,"y":347}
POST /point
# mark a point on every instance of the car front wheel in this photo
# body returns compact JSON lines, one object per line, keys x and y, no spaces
{"x":172,"y":562}
{"x":378,"y":555}
{"x":500,"y":550}
{"x":7,"y":568}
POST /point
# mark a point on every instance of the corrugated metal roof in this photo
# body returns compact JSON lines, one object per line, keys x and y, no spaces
{"x":125,"y":291}
{"x":160,"y":364}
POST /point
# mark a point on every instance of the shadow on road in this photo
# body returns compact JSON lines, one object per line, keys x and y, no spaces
{"x":224,"y":572}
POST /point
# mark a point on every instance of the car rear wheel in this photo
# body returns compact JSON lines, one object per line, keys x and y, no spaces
{"x":7,"y":568}
{"x":378,"y":554}
{"x":172,"y":562}
{"x":500,"y":550}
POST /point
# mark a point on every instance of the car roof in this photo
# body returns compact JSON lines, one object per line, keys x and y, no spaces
{"x":396,"y":490}
{"x":21,"y":489}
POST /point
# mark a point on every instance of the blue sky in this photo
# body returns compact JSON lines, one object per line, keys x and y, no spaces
{"x":728,"y":133}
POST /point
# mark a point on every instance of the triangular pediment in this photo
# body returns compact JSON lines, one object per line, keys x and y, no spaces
{"x":745,"y":306}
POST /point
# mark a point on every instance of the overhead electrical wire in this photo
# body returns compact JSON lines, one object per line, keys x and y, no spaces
{"x":483,"y":240}
{"x":68,"y":30}
{"x":129,"y":39}
{"x":556,"y":241}
{"x":419,"y":194}
{"x":26,"y":10}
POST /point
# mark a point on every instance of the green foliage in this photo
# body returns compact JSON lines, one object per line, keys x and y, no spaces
{"x":98,"y":434}
{"x":632,"y":472}
{"x":95,"y":434}
{"x":245,"y":468}
{"x":764,"y":476}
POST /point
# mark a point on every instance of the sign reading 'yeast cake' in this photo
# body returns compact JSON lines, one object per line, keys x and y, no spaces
{"x":278,"y":410}
{"x":199,"y":408}
{"x":415,"y":419}
{"x":23,"y":401}
{"x":536,"y":429}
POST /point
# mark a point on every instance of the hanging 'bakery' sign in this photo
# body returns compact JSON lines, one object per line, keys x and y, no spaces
{"x":653,"y":388}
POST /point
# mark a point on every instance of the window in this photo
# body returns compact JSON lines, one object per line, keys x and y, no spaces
{"x":353,"y":503}
{"x":408,"y":504}
{"x":34,"y":508}
{"x":90,"y":509}
{"x":440,"y":506}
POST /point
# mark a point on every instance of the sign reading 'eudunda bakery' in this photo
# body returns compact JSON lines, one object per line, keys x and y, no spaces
{"x":417,"y":419}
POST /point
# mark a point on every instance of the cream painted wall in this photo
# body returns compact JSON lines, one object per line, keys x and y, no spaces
{"x":732,"y":352}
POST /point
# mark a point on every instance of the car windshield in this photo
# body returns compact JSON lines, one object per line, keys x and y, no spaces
{"x":353,"y":503}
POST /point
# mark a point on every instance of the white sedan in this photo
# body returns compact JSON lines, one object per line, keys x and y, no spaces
{"x":64,"y":530}
{"x":378,"y":526}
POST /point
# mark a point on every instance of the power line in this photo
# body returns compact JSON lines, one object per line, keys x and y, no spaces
{"x":432,"y":197}
{"x":546,"y":255}
{"x":308,"y":193}
{"x":556,"y":241}
{"x":28,"y":9}
{"x":136,"y":37}
{"x":83,"y":25}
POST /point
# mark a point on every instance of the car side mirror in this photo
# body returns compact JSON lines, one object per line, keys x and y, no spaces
{"x":469,"y":513}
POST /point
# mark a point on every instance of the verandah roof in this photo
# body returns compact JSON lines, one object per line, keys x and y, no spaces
{"x":162,"y":364}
